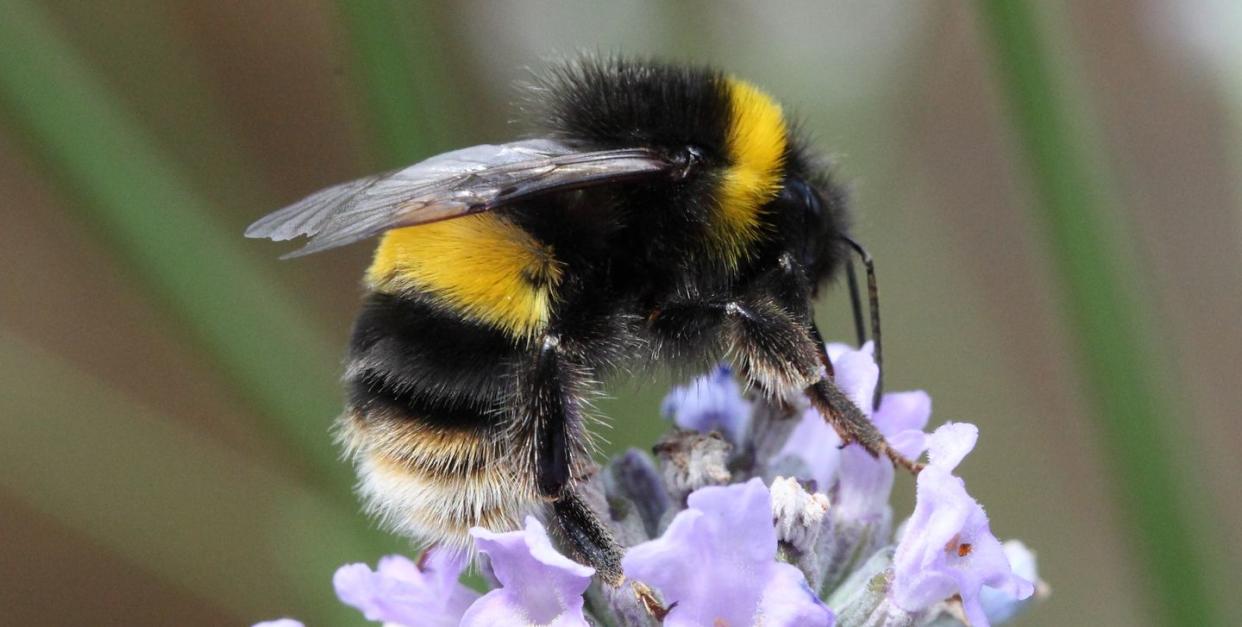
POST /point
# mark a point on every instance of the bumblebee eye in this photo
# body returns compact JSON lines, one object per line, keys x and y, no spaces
{"x":809,"y":199}
{"x":799,"y":196}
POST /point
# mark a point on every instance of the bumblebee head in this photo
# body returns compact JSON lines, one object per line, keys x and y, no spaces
{"x":813,"y":219}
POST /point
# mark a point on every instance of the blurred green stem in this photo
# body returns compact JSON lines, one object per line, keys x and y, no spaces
{"x":400,"y":77}
{"x":1108,"y":321}
{"x":151,"y":217}
{"x":196,"y":514}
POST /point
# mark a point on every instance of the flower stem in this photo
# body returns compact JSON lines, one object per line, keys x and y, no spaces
{"x":1106,"y":317}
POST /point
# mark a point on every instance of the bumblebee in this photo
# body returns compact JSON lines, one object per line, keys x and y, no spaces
{"x":661,"y":214}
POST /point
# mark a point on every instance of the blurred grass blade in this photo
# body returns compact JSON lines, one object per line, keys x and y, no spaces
{"x":164,"y":75}
{"x":192,"y":512}
{"x":403,"y":91}
{"x":1123,"y":376}
{"x":148,"y":213}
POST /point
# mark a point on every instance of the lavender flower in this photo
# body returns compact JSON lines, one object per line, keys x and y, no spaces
{"x":727,"y":532}
{"x":402,"y":592}
{"x":539,"y":585}
{"x":721,"y":548}
{"x":280,"y":622}
{"x":947,"y":547}
{"x":857,"y":483}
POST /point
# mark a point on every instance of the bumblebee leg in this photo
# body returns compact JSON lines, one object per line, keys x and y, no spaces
{"x":778,"y":354}
{"x":595,"y":544}
{"x":551,"y":409}
{"x":589,"y":537}
{"x":852,"y":425}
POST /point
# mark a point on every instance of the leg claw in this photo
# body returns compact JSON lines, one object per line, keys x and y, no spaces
{"x":901,"y":460}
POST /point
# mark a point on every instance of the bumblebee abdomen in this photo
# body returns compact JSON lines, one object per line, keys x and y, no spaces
{"x":433,"y":483}
{"x":426,"y":422}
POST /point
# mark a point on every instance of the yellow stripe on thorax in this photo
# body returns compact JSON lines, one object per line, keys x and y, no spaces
{"x":482,"y":266}
{"x":756,"y":148}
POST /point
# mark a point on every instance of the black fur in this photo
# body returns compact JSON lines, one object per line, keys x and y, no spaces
{"x":410,"y":358}
{"x":617,"y":103}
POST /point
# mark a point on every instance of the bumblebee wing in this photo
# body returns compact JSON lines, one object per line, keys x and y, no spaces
{"x":454,"y":184}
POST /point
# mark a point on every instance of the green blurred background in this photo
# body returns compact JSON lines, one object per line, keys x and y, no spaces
{"x":1053,"y":196}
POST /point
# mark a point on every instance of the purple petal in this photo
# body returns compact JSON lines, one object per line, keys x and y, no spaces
{"x":863,"y":486}
{"x":728,"y":540}
{"x":747,"y":508}
{"x":400,"y":591}
{"x":910,"y":443}
{"x":539,"y":585}
{"x":856,"y":374}
{"x":836,"y":349}
{"x":500,"y":608}
{"x":662,"y":562}
{"x":903,"y":411}
{"x":788,"y":600}
{"x":280,"y":622}
{"x":815,"y":443}
{"x":948,"y":446}
{"x":712,"y":402}
{"x":900,"y":411}
{"x":717,"y":561}
{"x":1001,"y":605}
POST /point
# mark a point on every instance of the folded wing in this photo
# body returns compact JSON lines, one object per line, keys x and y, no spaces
{"x":454,"y":184}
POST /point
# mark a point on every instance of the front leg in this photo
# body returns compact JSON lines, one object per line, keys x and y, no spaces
{"x":777,"y":352}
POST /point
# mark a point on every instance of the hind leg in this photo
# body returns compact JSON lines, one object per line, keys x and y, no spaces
{"x":547,"y":406}
{"x":548,"y":400}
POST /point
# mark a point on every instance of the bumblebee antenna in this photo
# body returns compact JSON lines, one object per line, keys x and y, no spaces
{"x":860,"y":331}
{"x":873,"y":305}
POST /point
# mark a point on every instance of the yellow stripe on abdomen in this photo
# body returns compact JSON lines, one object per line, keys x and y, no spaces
{"x":482,"y":266}
{"x":756,"y":149}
